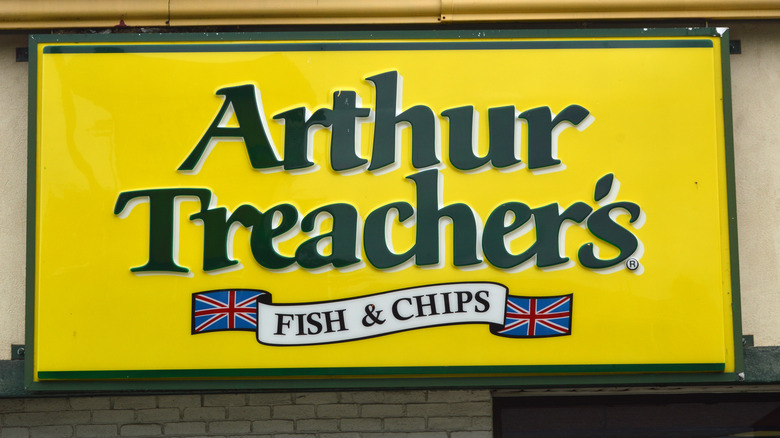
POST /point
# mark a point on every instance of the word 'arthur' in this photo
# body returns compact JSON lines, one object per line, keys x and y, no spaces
{"x":344,"y":121}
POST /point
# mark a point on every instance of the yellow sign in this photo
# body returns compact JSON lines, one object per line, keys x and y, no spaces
{"x":408,"y":206}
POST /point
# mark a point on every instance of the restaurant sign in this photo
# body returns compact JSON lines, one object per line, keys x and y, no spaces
{"x":281,"y":207}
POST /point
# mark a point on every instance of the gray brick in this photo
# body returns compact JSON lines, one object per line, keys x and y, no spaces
{"x":157,"y":415}
{"x":472,"y":409}
{"x":296,"y":435}
{"x":140,"y":430}
{"x":429,"y":409}
{"x":384,"y":435}
{"x":135,"y":402}
{"x":179,"y":401}
{"x":46,"y":418}
{"x":316,"y":398}
{"x":184,"y":428}
{"x":317,"y":425}
{"x":458,"y":396}
{"x":270,"y":399}
{"x":404,"y":424}
{"x":404,"y":396}
{"x":210,"y":436}
{"x":90,"y":403}
{"x":230,"y":427}
{"x":382,"y":411}
{"x":249,"y":413}
{"x":205,"y":414}
{"x":45,"y":404}
{"x":482,"y":423}
{"x":14,"y":432}
{"x":362,"y":397}
{"x":51,"y":432}
{"x":24,"y":419}
{"x":293,"y":412}
{"x":482,"y":434}
{"x":427,"y":435}
{"x":113,"y":416}
{"x":272,"y":426}
{"x":11,"y":405}
{"x":96,"y":430}
{"x":224,"y":400}
{"x":449,"y":423}
{"x":361,"y":424}
{"x":337,"y":411}
{"x":340,"y":435}
{"x":251,"y":435}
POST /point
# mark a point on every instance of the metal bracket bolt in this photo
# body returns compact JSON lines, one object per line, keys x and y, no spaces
{"x":17,"y":352}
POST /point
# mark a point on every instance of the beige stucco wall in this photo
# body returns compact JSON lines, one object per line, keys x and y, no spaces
{"x":13,"y":191}
{"x":756,"y":112}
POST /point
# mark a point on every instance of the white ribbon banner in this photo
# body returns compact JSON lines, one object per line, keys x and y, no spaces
{"x":380,"y":314}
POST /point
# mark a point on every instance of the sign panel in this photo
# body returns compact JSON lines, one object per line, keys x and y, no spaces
{"x":409,"y":205}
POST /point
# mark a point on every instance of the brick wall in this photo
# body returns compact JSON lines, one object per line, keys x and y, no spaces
{"x":408,"y":414}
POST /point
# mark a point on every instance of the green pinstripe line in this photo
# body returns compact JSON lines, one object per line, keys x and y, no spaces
{"x":377,"y":371}
{"x":377,"y":46}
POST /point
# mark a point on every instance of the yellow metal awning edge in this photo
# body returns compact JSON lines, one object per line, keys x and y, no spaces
{"x":42,"y":14}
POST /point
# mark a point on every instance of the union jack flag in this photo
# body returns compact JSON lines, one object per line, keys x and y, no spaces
{"x":224,"y":310}
{"x":536,"y":317}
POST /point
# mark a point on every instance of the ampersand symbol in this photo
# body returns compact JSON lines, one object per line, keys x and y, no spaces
{"x":372,"y":316}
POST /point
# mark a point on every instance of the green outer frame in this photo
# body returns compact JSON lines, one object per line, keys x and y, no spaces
{"x":390,"y":377}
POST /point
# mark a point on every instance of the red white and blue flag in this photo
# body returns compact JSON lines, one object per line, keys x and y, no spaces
{"x":225,"y":310}
{"x":536,"y":317}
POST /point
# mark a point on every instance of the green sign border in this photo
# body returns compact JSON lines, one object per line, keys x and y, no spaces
{"x":379,"y":377}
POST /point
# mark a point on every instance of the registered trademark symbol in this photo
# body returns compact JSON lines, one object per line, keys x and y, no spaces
{"x":632,"y":264}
